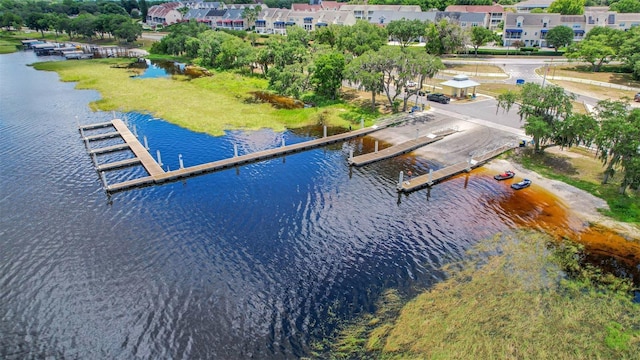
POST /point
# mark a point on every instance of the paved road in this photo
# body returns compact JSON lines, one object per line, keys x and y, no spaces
{"x":524,"y":68}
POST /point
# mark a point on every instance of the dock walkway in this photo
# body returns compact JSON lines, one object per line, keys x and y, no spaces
{"x":433,"y":177}
{"x":237,"y":160}
{"x":399,"y":149}
{"x":157,"y":175}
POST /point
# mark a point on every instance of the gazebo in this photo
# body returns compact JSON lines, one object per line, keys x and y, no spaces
{"x":460,"y":86}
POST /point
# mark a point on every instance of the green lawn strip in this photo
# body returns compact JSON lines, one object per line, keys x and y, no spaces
{"x":208,"y":104}
{"x":624,"y":208}
{"x":511,"y":298}
{"x":9,"y":44}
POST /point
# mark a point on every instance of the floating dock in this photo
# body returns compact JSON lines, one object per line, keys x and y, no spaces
{"x":399,"y":149}
{"x":434,"y":177}
{"x":157,"y":175}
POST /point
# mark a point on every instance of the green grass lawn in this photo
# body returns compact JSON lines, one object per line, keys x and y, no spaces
{"x":208,"y":104}
{"x":8,"y":43}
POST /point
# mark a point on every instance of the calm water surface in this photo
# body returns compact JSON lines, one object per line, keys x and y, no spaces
{"x":251,"y":262}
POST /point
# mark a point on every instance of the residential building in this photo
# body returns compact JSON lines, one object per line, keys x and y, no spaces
{"x":276,"y":21}
{"x":495,"y":13}
{"x":528,"y":5}
{"x":164,"y":14}
{"x":531,"y":29}
{"x":366,"y":11}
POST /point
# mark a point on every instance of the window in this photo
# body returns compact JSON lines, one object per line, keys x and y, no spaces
{"x":463,"y":24}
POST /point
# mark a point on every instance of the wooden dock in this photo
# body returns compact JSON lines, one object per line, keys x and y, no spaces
{"x":95,"y":126}
{"x":108,"y":149}
{"x":399,"y":149}
{"x":434,"y":177}
{"x":160,"y":177}
{"x":102,"y":136}
{"x":118,"y":164}
{"x":138,"y":149}
{"x":157,"y":175}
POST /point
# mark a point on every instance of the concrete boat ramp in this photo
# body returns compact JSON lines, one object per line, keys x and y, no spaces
{"x":157,"y":175}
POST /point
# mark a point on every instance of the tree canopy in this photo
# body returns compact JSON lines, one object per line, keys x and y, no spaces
{"x":567,"y":7}
{"x":481,"y":36}
{"x":626,"y":6}
{"x":405,"y":31}
{"x":560,"y":36}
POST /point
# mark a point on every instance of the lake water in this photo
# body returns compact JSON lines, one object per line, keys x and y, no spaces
{"x":253,"y":262}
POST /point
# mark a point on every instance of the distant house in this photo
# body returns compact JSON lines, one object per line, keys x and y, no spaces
{"x":532,"y":29}
{"x":528,"y":5}
{"x":199,"y":4}
{"x":317,"y":5}
{"x":199,"y":15}
{"x":495,"y":13}
{"x":231,"y":20}
{"x":276,"y":21}
{"x":601,"y":16}
{"x":365,"y":12}
{"x":164,"y":14}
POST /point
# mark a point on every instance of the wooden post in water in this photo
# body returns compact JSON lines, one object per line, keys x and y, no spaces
{"x":325,"y":131}
{"x":159,"y":158}
{"x":283,"y":145}
{"x":351,"y":155}
{"x":430,"y":180}
{"x":180,"y":160}
{"x":135,"y":131}
{"x":400,"y":179}
{"x":235,"y":150}
{"x":146,"y":144}
{"x":376,"y":147}
{"x":361,"y":123}
{"x":468,"y":164}
{"x":104,"y":179}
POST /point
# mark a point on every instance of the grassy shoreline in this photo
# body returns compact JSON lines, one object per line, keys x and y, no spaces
{"x":520,"y":296}
{"x":208,"y":104}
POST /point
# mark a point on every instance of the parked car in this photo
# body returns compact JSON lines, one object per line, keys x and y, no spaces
{"x":522,"y":184}
{"x":637,"y":97}
{"x":423,"y":92}
{"x":411,"y":83}
{"x":441,"y":98}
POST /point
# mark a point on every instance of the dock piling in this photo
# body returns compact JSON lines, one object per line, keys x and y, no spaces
{"x":146,"y":144}
{"x":159,"y":158}
{"x":235,"y":150}
{"x":324,"y":132}
{"x":400,"y":179}
{"x":361,"y":123}
{"x":180,"y":160}
{"x":376,"y":147}
{"x":104,"y":179}
{"x":135,"y":131}
{"x":350,"y":155}
{"x":430,"y":180}
{"x":283,"y":144}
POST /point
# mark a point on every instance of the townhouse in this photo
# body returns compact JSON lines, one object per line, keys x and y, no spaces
{"x":494,"y":13}
{"x":275,"y":21}
{"x":164,"y":14}
{"x":531,"y":29}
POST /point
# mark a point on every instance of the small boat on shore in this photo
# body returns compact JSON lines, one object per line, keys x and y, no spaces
{"x":505,"y":175}
{"x":522,"y":184}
